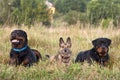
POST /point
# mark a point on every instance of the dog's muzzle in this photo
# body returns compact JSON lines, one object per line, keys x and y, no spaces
{"x":65,"y":57}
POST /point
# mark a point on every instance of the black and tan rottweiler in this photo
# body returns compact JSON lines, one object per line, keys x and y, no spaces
{"x":64,"y":53}
{"x":20,"y":53}
{"x":99,"y":53}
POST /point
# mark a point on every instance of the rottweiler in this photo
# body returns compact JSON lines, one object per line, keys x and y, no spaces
{"x":21,"y":53}
{"x":64,"y":53}
{"x":99,"y":52}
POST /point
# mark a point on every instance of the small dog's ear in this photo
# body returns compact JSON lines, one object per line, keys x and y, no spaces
{"x":69,"y":42}
{"x":61,"y":41}
{"x":108,"y":41}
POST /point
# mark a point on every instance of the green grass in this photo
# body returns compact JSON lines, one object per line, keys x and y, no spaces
{"x":46,"y":40}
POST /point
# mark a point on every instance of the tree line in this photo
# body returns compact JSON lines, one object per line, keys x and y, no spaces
{"x":29,"y":12}
{"x":19,"y":12}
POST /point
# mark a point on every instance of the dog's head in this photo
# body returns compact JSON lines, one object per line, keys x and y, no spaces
{"x":65,"y":52}
{"x":101,"y":45}
{"x":18,"y":38}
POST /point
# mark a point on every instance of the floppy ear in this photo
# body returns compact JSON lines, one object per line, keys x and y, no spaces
{"x":94,"y":42}
{"x":61,"y":41}
{"x":69,"y":42}
{"x":25,"y":35}
{"x":108,"y":41}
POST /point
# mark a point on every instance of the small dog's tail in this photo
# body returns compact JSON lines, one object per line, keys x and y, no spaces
{"x":47,"y":55}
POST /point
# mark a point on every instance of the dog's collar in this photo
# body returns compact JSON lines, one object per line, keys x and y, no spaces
{"x":19,"y":49}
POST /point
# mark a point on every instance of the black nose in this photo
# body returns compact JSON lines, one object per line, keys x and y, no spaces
{"x":65,"y":50}
{"x":103,"y":47}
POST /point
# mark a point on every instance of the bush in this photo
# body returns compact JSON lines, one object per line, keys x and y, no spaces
{"x":105,"y":23}
{"x":25,"y":12}
{"x":72,"y":17}
{"x":83,"y":18}
{"x":104,"y":9}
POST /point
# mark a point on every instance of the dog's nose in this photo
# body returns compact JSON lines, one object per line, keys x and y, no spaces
{"x":103,"y":47}
{"x":65,"y":50}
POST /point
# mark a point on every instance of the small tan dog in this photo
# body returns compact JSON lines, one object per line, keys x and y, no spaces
{"x":64,"y":53}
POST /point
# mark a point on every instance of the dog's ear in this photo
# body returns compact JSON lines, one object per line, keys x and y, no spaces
{"x":25,"y":36}
{"x":61,"y":41}
{"x":69,"y":42}
{"x":94,"y":42}
{"x":108,"y":41}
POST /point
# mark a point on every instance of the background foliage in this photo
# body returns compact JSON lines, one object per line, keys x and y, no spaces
{"x":25,"y":12}
{"x":29,"y":12}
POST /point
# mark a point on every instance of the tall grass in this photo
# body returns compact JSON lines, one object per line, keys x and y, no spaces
{"x":46,"y":40}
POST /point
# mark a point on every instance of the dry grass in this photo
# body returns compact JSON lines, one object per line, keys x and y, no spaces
{"x":46,"y":40}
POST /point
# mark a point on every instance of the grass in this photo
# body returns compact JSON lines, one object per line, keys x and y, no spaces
{"x":46,"y":40}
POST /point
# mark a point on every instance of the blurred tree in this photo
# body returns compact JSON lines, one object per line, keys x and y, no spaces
{"x":64,"y":6}
{"x":20,"y":12}
{"x":71,"y":17}
{"x":70,"y":8}
{"x":104,"y":9}
{"x":5,"y":10}
{"x":27,"y":11}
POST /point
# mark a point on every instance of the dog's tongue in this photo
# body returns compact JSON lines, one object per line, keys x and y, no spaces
{"x":15,"y":41}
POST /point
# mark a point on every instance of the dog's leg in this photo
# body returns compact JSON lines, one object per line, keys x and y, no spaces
{"x":106,"y":63}
{"x":12,"y":61}
{"x":26,"y":62}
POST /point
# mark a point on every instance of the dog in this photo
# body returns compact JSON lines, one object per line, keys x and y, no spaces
{"x":21,"y":53}
{"x":64,"y":54}
{"x":99,"y":52}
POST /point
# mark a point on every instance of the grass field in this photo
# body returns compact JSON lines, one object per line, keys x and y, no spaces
{"x":46,"y":40}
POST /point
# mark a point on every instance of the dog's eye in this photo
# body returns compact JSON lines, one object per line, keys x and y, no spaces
{"x":12,"y":39}
{"x":97,"y":46}
{"x":20,"y":39}
{"x":62,"y":46}
{"x":68,"y":46}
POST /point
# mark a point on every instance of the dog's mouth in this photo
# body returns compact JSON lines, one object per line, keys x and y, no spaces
{"x":103,"y":53}
{"x":65,"y":58}
{"x":15,"y":41}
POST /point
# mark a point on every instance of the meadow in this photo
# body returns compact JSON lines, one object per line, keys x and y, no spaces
{"x":46,"y":40}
